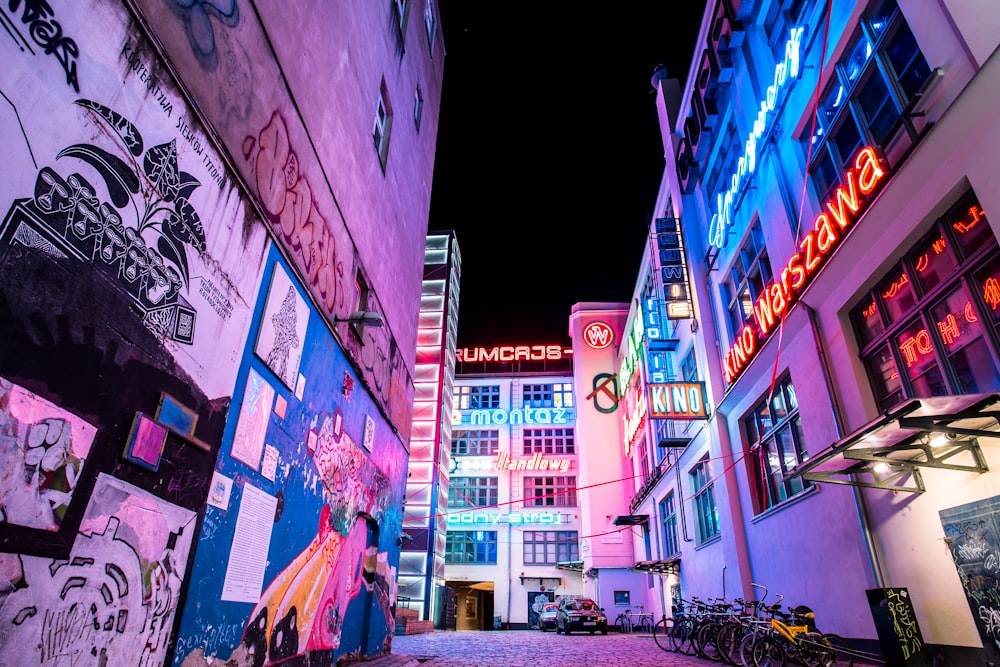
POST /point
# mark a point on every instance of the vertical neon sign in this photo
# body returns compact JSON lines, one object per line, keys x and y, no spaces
{"x":784,"y":71}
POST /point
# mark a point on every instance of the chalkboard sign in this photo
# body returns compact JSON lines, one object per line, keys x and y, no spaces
{"x":896,"y":625}
{"x":972,"y":532}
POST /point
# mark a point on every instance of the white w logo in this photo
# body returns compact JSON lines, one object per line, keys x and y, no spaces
{"x":598,"y":335}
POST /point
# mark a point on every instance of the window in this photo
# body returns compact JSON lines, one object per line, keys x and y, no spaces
{"x":549,"y":441}
{"x":750,"y":273}
{"x":548,"y":547}
{"x":775,"y":445}
{"x":879,"y":74}
{"x":703,"y":491}
{"x":473,"y":492}
{"x":623,"y":598}
{"x":689,"y":367}
{"x":548,"y":395}
{"x":364,"y":294}
{"x":668,"y":514}
{"x":471,"y":546}
{"x":418,"y":108}
{"x":430,"y":22}
{"x":477,"y":397}
{"x":475,"y":443}
{"x":383,"y":124}
{"x":550,"y":491}
{"x":929,"y":327}
{"x":399,"y":11}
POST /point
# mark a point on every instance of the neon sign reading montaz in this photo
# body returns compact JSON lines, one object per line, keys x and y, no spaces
{"x":779,"y":295}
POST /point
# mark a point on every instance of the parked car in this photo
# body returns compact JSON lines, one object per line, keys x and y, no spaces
{"x":547,"y":617}
{"x":581,"y":614}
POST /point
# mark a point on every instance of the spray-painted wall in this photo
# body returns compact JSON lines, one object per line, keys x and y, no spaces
{"x":169,"y":384}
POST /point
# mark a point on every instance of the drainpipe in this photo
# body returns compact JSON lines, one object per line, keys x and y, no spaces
{"x":860,"y":502}
{"x":680,"y":498}
{"x":735,"y":509}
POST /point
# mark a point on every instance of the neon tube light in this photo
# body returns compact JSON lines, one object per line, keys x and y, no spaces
{"x":843,"y":208}
{"x":783,"y":71}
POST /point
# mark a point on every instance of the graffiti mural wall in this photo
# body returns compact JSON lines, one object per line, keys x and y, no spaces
{"x":297,"y":553}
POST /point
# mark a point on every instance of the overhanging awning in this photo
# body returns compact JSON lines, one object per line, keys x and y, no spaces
{"x":631,"y":519}
{"x":574,"y":565}
{"x":668,"y":566}
{"x":940,"y":432}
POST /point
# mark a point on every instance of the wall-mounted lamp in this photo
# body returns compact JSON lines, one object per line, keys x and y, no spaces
{"x":365,"y":318}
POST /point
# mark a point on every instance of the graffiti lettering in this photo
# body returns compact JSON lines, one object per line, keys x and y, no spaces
{"x":47,"y":33}
{"x":973,"y":550}
{"x":904,"y":624}
{"x":991,"y":621}
{"x":216,"y":299}
{"x":136,"y":66}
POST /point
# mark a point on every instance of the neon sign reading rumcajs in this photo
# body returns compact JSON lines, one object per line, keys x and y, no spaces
{"x":784,"y":71}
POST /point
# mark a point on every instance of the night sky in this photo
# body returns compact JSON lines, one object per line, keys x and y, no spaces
{"x":549,"y":155}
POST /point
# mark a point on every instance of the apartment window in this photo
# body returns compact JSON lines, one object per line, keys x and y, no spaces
{"x":418,"y":107}
{"x":383,"y":124}
{"x":471,"y":546}
{"x":473,"y":492}
{"x":750,"y":273}
{"x":558,"y":395}
{"x":477,"y":397}
{"x":689,"y":367}
{"x":550,"y":491}
{"x":548,"y":547}
{"x":549,"y":441}
{"x":929,"y":327}
{"x":878,"y":75}
{"x":475,"y":443}
{"x":703,"y":493}
{"x":775,"y":446}
{"x":668,"y":514}
{"x":430,"y":22}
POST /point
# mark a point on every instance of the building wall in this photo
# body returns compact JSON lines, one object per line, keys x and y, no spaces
{"x":830,"y":545}
{"x":184,"y":218}
{"x":519,"y":589}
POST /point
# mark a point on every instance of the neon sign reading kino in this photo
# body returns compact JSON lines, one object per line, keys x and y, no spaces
{"x":780,"y":295}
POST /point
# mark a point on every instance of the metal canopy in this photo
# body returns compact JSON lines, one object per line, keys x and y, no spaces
{"x":663,"y":567}
{"x":889,"y":452}
{"x":573,"y":565}
{"x":631,"y":519}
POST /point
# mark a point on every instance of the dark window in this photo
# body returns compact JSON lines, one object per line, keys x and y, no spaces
{"x":750,"y":273}
{"x":477,"y":397}
{"x":471,"y":546}
{"x":703,"y":490}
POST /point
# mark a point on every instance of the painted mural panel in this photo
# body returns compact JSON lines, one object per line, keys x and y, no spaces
{"x":114,"y":599}
{"x":107,"y":171}
{"x":42,"y":452}
{"x":322,"y":531}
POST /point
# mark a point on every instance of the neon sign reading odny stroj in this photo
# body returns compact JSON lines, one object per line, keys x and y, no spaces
{"x":784,"y":71}
{"x":779,"y":295}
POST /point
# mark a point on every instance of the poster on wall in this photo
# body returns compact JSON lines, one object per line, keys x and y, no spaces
{"x":114,"y":597}
{"x":251,"y":425}
{"x":43,"y":449}
{"x":283,"y":327}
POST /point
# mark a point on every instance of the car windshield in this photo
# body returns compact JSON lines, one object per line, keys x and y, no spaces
{"x":587,"y":605}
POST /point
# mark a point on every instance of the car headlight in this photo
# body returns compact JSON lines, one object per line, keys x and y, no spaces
{"x":602,"y":618}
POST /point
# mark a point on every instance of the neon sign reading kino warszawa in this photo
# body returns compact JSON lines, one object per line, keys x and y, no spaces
{"x":778,"y":296}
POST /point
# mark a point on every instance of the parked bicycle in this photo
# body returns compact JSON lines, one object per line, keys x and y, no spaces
{"x":634,"y":621}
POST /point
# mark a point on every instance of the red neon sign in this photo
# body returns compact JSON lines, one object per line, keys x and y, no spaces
{"x":842,"y":209}
{"x":598,"y":335}
{"x":514,"y":353}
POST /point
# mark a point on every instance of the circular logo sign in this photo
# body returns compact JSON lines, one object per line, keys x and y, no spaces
{"x":598,"y":335}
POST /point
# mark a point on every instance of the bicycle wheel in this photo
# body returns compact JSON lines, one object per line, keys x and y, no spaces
{"x":728,"y":642}
{"x":832,"y":650}
{"x":767,"y":651}
{"x":682,"y":636}
{"x":661,"y":633}
{"x":706,"y":640}
{"x":623,"y":623}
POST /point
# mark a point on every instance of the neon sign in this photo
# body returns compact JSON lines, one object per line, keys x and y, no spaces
{"x":598,"y":335}
{"x":678,"y":400}
{"x":524,"y":415}
{"x":514,"y":353}
{"x":514,"y":518}
{"x":633,"y":347}
{"x":537,"y":462}
{"x":780,"y":295}
{"x":783,"y":71}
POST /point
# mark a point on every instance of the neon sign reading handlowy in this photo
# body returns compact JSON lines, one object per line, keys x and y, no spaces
{"x":783,"y":71}
{"x":779,"y":295}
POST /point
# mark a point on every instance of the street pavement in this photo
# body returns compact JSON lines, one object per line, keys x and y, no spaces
{"x":529,"y":648}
